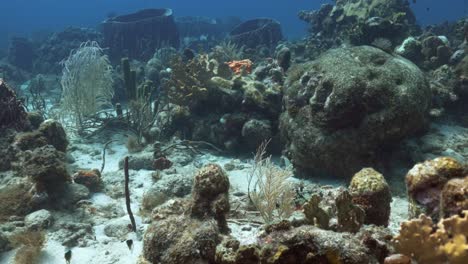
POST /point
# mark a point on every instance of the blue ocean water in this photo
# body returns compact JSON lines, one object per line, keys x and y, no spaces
{"x":24,"y":17}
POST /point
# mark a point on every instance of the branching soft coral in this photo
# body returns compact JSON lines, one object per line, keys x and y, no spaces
{"x":446,"y":244}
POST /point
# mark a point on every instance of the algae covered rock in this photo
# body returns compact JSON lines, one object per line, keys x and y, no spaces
{"x":454,"y":197}
{"x":89,"y":178}
{"x":46,"y":167}
{"x":370,"y":191}
{"x":55,"y":134}
{"x":349,"y":104}
{"x":301,"y":245}
{"x":255,"y":131}
{"x":180,"y":240}
{"x":425,"y":181}
{"x":39,"y":219}
{"x":362,"y":21}
{"x":210,"y":194}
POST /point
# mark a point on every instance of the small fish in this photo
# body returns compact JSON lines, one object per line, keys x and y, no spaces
{"x":68,"y":256}
{"x":129,"y":244}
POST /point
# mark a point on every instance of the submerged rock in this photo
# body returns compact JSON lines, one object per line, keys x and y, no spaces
{"x":370,"y":191}
{"x":181,"y":240}
{"x":12,"y":112}
{"x":211,"y":195}
{"x":425,"y":182}
{"x":46,"y":167}
{"x":55,"y":134}
{"x":347,"y":105}
{"x":454,"y":197}
{"x":89,"y":178}
{"x":38,"y":219}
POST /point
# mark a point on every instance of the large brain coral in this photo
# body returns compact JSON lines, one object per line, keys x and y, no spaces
{"x":347,"y":105}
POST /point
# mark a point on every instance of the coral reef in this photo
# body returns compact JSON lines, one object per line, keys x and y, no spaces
{"x":370,"y":191}
{"x":347,"y":105}
{"x":361,"y":22}
{"x":425,"y":182}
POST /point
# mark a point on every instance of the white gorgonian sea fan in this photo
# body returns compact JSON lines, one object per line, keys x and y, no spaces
{"x":86,"y":83}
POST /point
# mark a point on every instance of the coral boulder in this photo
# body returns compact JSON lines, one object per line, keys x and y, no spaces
{"x":349,"y":104}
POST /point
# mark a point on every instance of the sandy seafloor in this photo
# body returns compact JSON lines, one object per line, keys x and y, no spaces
{"x":106,"y":249}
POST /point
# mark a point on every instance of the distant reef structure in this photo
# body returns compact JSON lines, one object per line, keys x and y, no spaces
{"x":381,"y":23}
{"x":196,"y":26}
{"x":21,"y":53}
{"x":256,"y":32}
{"x":138,"y":35}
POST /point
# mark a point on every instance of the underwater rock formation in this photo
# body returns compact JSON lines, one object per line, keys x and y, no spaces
{"x":181,"y":240}
{"x":370,"y":191}
{"x":139,"y":34}
{"x":53,"y":131}
{"x":361,"y":22}
{"x":192,"y":238}
{"x":425,"y":182}
{"x":47,"y":169}
{"x":58,"y":47}
{"x":257,"y":32}
{"x":89,"y":178}
{"x":12,"y":111}
{"x":454,"y":197}
{"x":347,"y":105}
{"x":299,"y":245}
{"x":21,"y":53}
{"x":210,"y":195}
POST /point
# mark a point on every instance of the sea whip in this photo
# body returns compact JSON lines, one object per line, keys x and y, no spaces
{"x":127,"y":195}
